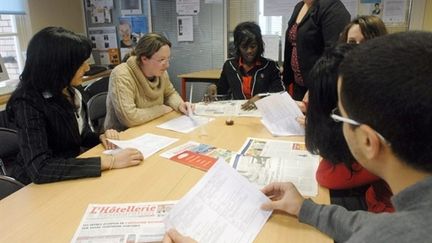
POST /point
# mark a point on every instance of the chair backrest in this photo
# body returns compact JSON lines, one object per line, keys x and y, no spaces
{"x":96,"y":87}
{"x":9,"y":147}
{"x":96,"y":108}
{"x":8,"y":185}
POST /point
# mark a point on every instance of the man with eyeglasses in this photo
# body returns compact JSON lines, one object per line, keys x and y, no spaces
{"x":385,"y":103}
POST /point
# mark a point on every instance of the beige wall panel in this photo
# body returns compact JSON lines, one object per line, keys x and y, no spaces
{"x":64,"y":13}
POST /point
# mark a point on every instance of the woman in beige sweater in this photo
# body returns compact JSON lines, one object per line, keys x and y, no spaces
{"x":140,"y":89}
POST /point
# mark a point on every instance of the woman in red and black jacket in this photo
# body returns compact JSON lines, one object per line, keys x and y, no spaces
{"x":249,"y":73}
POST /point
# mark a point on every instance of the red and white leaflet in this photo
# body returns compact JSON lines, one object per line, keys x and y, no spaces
{"x":128,"y":222}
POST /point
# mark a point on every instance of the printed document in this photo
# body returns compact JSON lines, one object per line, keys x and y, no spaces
{"x":264,"y":161}
{"x":279,"y":112}
{"x":147,"y":144}
{"x":128,"y":222}
{"x":222,"y":207}
{"x":185,"y":124}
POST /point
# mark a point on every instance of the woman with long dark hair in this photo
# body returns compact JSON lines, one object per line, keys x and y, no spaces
{"x":50,"y":116}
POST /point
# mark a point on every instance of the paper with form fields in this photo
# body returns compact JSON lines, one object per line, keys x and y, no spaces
{"x":185,"y":124}
{"x":279,"y":112}
{"x":222,"y":207}
{"x":147,"y":144}
{"x":266,"y":161}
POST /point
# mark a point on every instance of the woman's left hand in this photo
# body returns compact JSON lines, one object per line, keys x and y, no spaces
{"x":109,"y":134}
{"x":250,"y":104}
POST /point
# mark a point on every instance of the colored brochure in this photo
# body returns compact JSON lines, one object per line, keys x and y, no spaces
{"x":222,"y":207}
{"x":147,"y":144}
{"x":199,"y":148}
{"x":263,"y":161}
{"x":196,"y":160}
{"x":128,"y":222}
{"x":279,"y":112}
{"x":185,"y":124}
{"x":224,"y":108}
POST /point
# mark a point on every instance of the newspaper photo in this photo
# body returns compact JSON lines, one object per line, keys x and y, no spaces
{"x":263,"y":161}
{"x":224,"y":108}
{"x":128,"y":222}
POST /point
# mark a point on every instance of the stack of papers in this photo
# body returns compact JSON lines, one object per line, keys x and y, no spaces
{"x":279,"y":112}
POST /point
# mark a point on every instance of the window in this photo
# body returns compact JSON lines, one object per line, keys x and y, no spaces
{"x":10,"y":48}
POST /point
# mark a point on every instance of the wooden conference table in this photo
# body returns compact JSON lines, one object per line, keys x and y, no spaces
{"x":52,"y":212}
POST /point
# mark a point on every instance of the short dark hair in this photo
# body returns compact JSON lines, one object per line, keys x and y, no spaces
{"x":387,"y":84}
{"x":148,"y":45}
{"x":245,"y":33}
{"x":323,"y":135}
{"x":54,"y":55}
{"x":370,"y":26}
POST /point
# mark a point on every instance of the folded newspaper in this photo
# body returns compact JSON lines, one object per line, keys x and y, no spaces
{"x":128,"y":222}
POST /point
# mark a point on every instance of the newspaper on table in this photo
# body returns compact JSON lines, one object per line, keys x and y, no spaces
{"x":224,"y":108}
{"x":263,"y":161}
{"x":279,"y":112}
{"x":222,"y":207}
{"x":147,"y":144}
{"x":128,"y":222}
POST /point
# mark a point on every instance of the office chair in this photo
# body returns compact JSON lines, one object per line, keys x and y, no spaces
{"x":96,"y":108}
{"x":9,"y":147}
{"x":8,"y":185}
{"x":96,"y":87}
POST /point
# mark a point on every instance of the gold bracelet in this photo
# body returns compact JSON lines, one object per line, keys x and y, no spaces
{"x":112,"y":162}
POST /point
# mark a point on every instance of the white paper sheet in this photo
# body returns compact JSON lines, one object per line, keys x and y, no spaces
{"x":394,"y":11}
{"x":185,"y":28}
{"x":147,"y":144}
{"x":279,"y":112}
{"x":222,"y":207}
{"x":185,"y":124}
{"x":187,"y":7}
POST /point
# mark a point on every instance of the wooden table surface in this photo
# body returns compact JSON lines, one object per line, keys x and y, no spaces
{"x":52,"y":212}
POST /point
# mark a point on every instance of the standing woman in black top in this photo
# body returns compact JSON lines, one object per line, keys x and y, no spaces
{"x":50,"y":116}
{"x":314,"y":26}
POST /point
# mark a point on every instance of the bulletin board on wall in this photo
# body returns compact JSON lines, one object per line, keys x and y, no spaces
{"x":114,"y":26}
{"x":396,"y":14}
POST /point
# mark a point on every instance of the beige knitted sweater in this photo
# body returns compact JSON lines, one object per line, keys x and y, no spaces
{"x":133,"y":99}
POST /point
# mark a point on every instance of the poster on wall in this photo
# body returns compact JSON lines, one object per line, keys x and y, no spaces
{"x":103,"y":38}
{"x":187,"y":7}
{"x":130,"y":7}
{"x":394,"y":11}
{"x":184,"y":28}
{"x":100,"y":11}
{"x":131,"y":29}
